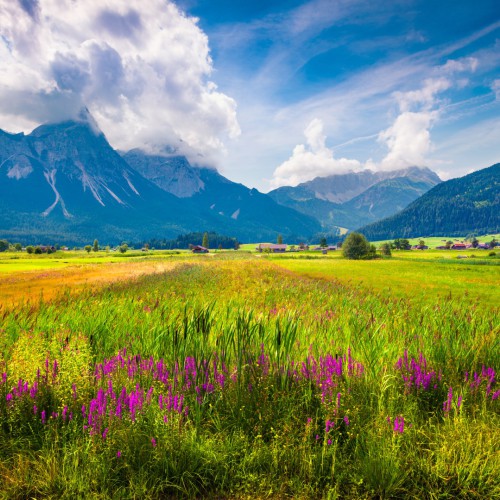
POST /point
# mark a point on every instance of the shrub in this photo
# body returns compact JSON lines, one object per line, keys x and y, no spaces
{"x":385,"y":249}
{"x":356,"y":246}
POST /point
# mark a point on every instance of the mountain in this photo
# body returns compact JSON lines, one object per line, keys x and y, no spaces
{"x":356,"y":198}
{"x":256,"y":215}
{"x":64,"y":183}
{"x":457,"y":207}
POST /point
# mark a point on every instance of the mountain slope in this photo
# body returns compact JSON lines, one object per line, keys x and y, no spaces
{"x":453,"y":208}
{"x":239,"y":210}
{"x":64,"y":183}
{"x":357,"y":198}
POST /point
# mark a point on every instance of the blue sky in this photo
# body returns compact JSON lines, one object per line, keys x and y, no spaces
{"x":343,"y":63}
{"x":270,"y":92}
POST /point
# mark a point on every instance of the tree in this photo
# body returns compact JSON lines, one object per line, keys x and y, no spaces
{"x":401,"y":244}
{"x":279,"y":240}
{"x":448,"y":244}
{"x":205,"y":240}
{"x":236,"y":245}
{"x":421,"y":243}
{"x":30,"y":249}
{"x":474,"y":242}
{"x":356,"y":246}
{"x":323,"y":243}
{"x":95,"y":246}
{"x":123,"y":248}
{"x":385,"y":249}
{"x":38,"y":250}
{"x":18,"y":247}
{"x":87,"y":248}
{"x":493,"y":242}
{"x":4,"y":245}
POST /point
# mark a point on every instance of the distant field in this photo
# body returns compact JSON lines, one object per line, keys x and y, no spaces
{"x":25,"y":277}
{"x":434,"y":241}
{"x":409,"y":274}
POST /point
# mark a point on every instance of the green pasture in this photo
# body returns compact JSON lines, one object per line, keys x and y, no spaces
{"x":423,"y":276}
{"x":434,"y":241}
{"x":12,"y":262}
{"x":300,"y":378}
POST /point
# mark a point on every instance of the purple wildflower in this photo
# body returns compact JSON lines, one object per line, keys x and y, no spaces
{"x":399,"y":425}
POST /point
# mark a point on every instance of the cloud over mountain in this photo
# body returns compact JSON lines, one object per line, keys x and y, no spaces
{"x":144,"y":73}
{"x":407,"y":139}
{"x":311,"y":160}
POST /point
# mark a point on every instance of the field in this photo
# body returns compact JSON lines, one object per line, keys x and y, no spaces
{"x":238,"y":375}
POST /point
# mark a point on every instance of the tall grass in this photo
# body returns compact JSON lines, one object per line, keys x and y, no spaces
{"x":236,"y":377}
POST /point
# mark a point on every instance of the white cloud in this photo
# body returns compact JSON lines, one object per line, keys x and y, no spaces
{"x":144,"y":74}
{"x":312,"y":160}
{"x":495,"y":86}
{"x":459,"y":65}
{"x":408,"y":140}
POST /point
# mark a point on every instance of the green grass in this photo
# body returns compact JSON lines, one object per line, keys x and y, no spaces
{"x":21,"y":261}
{"x":426,"y":277}
{"x":267,"y":430}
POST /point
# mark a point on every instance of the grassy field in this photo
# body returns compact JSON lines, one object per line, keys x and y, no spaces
{"x":236,"y":375}
{"x":424,"y":276}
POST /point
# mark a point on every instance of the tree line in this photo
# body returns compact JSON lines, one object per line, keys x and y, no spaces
{"x":184,"y":241}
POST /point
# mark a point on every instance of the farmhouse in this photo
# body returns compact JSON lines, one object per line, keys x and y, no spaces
{"x":199,"y":249}
{"x":271,"y":247}
{"x":459,"y":246}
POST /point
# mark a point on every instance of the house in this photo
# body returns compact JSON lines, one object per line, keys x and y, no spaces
{"x":271,"y":247}
{"x":458,"y":246}
{"x":199,"y":249}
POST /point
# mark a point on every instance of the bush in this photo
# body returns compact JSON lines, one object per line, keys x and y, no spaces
{"x":385,"y":249}
{"x":38,"y":250}
{"x":30,"y":249}
{"x":356,"y":246}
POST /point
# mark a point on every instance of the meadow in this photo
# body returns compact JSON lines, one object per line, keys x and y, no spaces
{"x":240,"y":376}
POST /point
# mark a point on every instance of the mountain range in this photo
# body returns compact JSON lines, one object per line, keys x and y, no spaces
{"x":354,"y":199}
{"x":64,"y":183}
{"x":457,"y":207}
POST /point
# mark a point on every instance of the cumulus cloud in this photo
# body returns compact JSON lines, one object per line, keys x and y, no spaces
{"x":310,"y":160}
{"x":144,"y":74}
{"x":408,"y":138}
